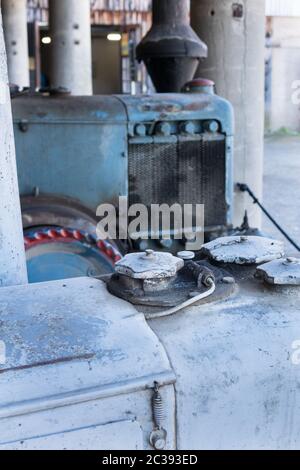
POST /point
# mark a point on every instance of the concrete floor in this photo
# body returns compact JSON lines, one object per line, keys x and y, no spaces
{"x":282,"y":186}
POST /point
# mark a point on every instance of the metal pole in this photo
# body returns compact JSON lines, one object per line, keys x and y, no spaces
{"x":70,"y":29}
{"x":12,"y":253}
{"x":16,"y":40}
{"x":171,"y":11}
{"x":235,"y":35}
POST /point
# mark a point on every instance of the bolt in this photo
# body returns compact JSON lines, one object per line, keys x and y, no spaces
{"x":164,"y":128}
{"x":149,"y":252}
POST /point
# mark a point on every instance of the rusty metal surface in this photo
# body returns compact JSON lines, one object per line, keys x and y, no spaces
{"x":72,"y":147}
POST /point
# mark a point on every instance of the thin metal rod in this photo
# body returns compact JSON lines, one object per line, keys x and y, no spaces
{"x":245,"y":189}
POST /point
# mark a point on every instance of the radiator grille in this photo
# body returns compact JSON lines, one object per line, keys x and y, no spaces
{"x":188,"y":172}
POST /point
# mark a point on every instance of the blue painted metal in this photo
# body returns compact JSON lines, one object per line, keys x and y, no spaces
{"x":77,"y":147}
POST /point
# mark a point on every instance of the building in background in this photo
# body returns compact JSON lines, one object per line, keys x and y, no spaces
{"x":117,"y":27}
{"x":283,"y":65}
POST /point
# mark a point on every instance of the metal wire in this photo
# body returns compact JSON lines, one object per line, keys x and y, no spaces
{"x":188,"y":303}
{"x":245,"y":189}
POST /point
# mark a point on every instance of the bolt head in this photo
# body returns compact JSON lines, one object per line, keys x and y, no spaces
{"x":159,"y":444}
{"x":141,"y":130}
{"x":292,"y":260}
{"x":228,"y":280}
{"x":149,"y":253}
{"x":188,"y":128}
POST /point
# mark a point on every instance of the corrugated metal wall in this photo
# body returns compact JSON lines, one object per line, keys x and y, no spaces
{"x":283,"y":7}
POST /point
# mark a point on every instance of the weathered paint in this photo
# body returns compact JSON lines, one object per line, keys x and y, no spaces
{"x":12,"y":255}
{"x":244,"y":249}
{"x":282,"y":272}
{"x":77,"y":358}
{"x":235,"y":35}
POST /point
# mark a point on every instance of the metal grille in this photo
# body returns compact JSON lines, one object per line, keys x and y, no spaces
{"x":188,"y":172}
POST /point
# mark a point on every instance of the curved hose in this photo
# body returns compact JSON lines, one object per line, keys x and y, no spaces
{"x":188,"y":303}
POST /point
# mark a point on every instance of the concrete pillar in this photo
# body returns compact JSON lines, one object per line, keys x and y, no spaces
{"x":12,"y":254}
{"x":71,"y":61}
{"x":16,"y":39}
{"x":235,"y":35}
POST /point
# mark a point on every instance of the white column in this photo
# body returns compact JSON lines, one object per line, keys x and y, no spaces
{"x":70,"y":29}
{"x":235,"y":35}
{"x":16,"y":39}
{"x":12,"y":254}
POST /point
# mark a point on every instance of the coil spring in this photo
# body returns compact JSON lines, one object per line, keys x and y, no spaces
{"x":158,"y":407}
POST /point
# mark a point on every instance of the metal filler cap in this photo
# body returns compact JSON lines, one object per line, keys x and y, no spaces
{"x":283,"y":272}
{"x":149,"y":265}
{"x":244,"y":250}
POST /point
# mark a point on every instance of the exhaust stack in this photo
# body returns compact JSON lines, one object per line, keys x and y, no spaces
{"x":171,"y":50}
